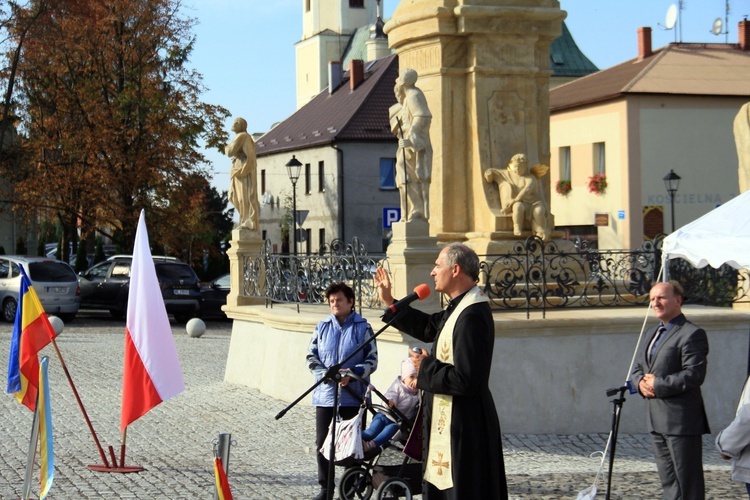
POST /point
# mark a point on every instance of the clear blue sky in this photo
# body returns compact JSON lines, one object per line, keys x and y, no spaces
{"x":245,"y":48}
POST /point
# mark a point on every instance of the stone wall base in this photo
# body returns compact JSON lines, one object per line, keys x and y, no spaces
{"x":549,"y":375}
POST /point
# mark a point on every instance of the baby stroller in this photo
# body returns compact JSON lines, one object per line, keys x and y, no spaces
{"x":366,"y":477}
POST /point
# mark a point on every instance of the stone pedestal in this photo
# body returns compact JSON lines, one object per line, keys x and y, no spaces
{"x":483,"y":66}
{"x":412,"y":255}
{"x":502,"y":242}
{"x":244,"y":243}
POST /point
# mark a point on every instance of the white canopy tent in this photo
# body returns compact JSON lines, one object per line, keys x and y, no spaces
{"x":722,"y":236}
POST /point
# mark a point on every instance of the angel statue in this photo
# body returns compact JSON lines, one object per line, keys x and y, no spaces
{"x":521,"y":195}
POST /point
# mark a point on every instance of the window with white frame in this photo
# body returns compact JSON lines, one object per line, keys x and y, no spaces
{"x":565,"y":163}
{"x":600,"y":163}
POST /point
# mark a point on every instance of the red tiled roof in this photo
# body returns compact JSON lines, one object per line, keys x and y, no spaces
{"x":679,"y":68}
{"x":345,"y":115}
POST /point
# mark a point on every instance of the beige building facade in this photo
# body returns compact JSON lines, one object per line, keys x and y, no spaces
{"x":670,"y":109}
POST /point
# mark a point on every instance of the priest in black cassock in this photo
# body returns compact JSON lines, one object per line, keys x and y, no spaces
{"x":462,"y":445}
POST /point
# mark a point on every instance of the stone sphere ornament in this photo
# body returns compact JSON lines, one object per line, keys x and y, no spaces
{"x":195,"y":327}
{"x":57,"y":324}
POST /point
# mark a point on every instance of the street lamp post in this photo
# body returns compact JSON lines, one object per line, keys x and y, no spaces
{"x":672,"y":182}
{"x":293,"y":168}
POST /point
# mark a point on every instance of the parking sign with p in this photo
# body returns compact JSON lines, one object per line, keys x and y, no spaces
{"x":390,"y":215}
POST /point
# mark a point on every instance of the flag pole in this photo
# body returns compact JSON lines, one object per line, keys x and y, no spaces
{"x":122,"y":445}
{"x":80,"y":405}
{"x":31,"y":456}
{"x":150,"y":352}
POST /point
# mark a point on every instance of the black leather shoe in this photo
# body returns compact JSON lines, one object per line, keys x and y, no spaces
{"x":323,"y":495}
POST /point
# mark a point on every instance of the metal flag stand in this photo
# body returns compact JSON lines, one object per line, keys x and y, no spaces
{"x":105,"y":466}
{"x":115,"y":466}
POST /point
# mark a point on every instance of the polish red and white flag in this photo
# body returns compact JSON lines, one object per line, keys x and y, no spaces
{"x":152,"y":372}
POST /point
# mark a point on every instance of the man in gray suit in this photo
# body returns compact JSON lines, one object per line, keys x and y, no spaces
{"x":670,"y":373}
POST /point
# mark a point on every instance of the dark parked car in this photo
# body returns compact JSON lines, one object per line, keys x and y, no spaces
{"x":214,"y":295}
{"x":106,"y":286}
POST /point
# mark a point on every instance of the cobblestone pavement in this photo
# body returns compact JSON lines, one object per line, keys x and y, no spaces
{"x":270,"y":459}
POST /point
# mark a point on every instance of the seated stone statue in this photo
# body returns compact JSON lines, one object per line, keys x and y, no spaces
{"x":521,"y":196}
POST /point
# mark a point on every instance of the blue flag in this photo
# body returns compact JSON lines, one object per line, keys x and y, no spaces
{"x":46,"y":455}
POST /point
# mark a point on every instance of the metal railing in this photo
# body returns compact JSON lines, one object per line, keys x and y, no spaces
{"x":304,"y":278}
{"x":538,"y":275}
{"x":533,"y":275}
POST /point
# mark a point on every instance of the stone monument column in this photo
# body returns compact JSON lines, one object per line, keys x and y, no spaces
{"x":483,"y":66}
{"x":245,"y":244}
{"x":741,"y":129}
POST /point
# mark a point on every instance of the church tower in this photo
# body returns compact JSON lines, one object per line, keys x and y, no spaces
{"x":327,"y":28}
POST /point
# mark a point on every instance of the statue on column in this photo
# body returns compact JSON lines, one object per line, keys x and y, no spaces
{"x":410,"y":120}
{"x":742,"y":142}
{"x":521,"y":196}
{"x":243,"y":175}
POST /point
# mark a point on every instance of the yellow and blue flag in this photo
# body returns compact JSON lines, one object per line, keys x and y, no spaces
{"x":44,"y":416}
{"x":32,"y":331}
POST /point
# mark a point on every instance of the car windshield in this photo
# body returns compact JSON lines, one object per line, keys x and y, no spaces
{"x":51,"y":272}
{"x":175,"y":272}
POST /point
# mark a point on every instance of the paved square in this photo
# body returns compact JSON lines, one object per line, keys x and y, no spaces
{"x":270,"y":459}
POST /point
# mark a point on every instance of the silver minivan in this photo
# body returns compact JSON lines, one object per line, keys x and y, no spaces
{"x":54,"y":281}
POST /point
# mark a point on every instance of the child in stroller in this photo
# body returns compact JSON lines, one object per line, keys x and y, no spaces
{"x":370,"y":478}
{"x":403,"y":395}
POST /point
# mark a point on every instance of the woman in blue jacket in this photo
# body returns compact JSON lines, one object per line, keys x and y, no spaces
{"x":333,"y":340}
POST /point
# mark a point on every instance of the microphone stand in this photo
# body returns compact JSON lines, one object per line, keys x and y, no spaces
{"x":616,"y":411}
{"x":333,"y":374}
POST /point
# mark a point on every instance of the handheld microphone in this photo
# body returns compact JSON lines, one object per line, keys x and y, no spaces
{"x":420,"y":292}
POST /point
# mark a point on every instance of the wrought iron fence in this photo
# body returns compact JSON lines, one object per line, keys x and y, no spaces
{"x":304,"y":278}
{"x":533,"y":275}
{"x":538,"y":275}
{"x":709,"y":286}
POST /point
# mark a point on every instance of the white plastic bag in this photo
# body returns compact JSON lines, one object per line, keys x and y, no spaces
{"x":587,"y":494}
{"x":348,"y":439}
